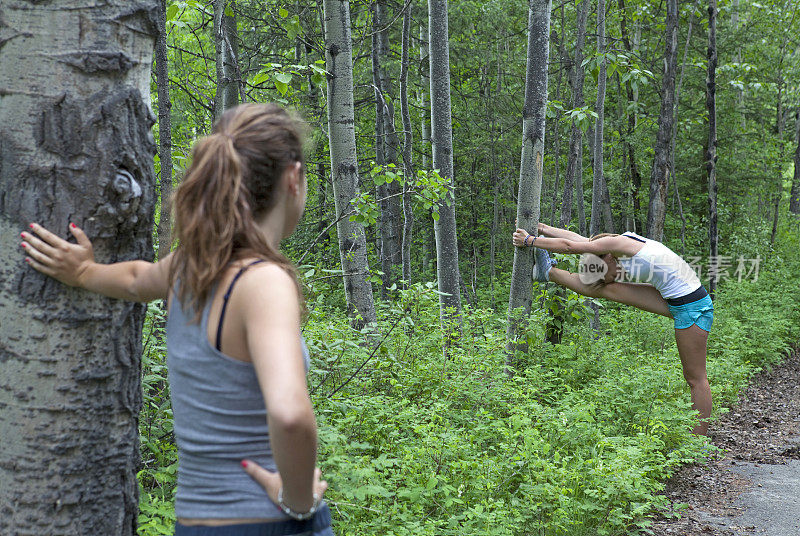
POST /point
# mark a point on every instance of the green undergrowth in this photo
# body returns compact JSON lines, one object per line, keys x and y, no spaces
{"x":578,"y":440}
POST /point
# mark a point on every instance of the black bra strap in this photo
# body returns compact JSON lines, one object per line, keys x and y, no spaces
{"x":225,"y":301}
{"x":634,"y":238}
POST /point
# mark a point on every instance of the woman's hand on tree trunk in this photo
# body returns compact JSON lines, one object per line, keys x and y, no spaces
{"x":520,"y":237}
{"x":56,"y":257}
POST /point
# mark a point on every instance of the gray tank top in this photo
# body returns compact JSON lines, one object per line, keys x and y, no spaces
{"x":220,"y":419}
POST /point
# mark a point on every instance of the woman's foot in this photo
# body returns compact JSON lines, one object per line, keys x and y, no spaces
{"x":542,"y":265}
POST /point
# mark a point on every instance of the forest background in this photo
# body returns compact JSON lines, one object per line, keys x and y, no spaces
{"x":454,"y":395}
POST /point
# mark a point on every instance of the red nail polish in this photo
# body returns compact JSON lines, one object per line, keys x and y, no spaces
{"x":72,"y":225}
{"x":23,"y":245}
{"x":31,"y":226}
{"x":244,"y":464}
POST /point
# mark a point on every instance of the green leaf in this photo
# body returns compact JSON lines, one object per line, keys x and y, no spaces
{"x":283,"y":13}
{"x":172,"y":11}
{"x":229,"y":11}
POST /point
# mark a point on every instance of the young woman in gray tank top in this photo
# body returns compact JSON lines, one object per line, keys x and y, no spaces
{"x":662,"y":283}
{"x":244,"y":424}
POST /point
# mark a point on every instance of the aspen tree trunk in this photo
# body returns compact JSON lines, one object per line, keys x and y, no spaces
{"x":344,"y":163}
{"x":562,"y":55}
{"x":226,"y":43}
{"x":674,"y":140}
{"x":76,"y":147}
{"x":447,"y":270}
{"x":428,"y":239}
{"x":381,"y":191}
{"x":598,"y":179}
{"x":656,"y":213}
{"x":711,"y":150}
{"x":636,"y":176}
{"x":164,"y":135}
{"x":575,"y":157}
{"x":408,"y":147}
{"x":530,"y":175}
{"x":794,"y":199}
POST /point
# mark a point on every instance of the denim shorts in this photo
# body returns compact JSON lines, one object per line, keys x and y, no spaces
{"x":700,"y":312}
{"x":319,"y":525}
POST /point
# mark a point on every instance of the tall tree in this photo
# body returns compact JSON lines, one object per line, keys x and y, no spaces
{"x":575,"y":157}
{"x":226,"y":44}
{"x":428,"y":239}
{"x":344,"y":163}
{"x":657,"y":209}
{"x":598,"y":180}
{"x":531,"y":165}
{"x":408,"y":168}
{"x":711,"y":149}
{"x":76,"y":147}
{"x":794,"y":199}
{"x":447,"y":271}
{"x":632,"y":114}
{"x":386,"y":147}
{"x":164,"y":134}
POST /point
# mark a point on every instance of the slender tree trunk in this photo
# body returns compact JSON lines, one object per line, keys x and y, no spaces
{"x":76,"y":147}
{"x":575,"y":157}
{"x":164,"y":135}
{"x":408,"y":147}
{"x":633,"y":168}
{"x":530,"y":176}
{"x":794,"y":199}
{"x":711,"y":151}
{"x":226,"y":42}
{"x":442,"y":138}
{"x":674,"y":140}
{"x":562,"y":59}
{"x":428,"y":238}
{"x":775,"y":216}
{"x":344,"y":163}
{"x":656,"y":213}
{"x":598,"y":178}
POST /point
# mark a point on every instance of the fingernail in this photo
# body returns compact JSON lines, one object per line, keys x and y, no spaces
{"x":22,"y":235}
{"x":31,"y":226}
{"x":23,"y":245}
{"x":72,"y":225}
{"x":27,"y":260}
{"x":244,"y":464}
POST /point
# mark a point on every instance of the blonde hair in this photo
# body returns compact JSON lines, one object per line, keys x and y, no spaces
{"x":228,"y":188}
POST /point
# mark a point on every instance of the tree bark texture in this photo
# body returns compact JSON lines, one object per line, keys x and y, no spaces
{"x":229,"y":78}
{"x":794,"y":199}
{"x":597,"y":214}
{"x":447,"y":270}
{"x":75,"y":146}
{"x":530,"y":176}
{"x":635,"y":175}
{"x":711,"y":150}
{"x":344,"y":164}
{"x":387,"y":143}
{"x":408,"y":147}
{"x":164,"y":135}
{"x":575,"y":156}
{"x":656,"y":213}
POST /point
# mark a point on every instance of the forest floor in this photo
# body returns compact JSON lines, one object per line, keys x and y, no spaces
{"x":752,"y":486}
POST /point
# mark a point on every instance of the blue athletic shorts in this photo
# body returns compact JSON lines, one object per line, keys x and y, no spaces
{"x":319,"y":525}
{"x":700,"y":312}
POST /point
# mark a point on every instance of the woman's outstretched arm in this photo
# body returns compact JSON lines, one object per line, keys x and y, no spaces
{"x":74,"y":265}
{"x":557,"y":232}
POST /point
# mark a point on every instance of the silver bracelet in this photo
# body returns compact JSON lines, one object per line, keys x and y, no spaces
{"x":299,"y":516}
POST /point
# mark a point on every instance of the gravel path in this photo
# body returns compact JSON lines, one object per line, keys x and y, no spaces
{"x":753,"y":486}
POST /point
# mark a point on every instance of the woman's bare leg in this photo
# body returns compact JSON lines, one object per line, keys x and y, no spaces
{"x":692,"y":345}
{"x":639,"y":295}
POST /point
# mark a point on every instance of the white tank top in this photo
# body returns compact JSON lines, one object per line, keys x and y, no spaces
{"x":658,"y":265}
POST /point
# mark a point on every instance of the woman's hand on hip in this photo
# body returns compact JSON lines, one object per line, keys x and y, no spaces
{"x":272,"y":483}
{"x":54,"y":256}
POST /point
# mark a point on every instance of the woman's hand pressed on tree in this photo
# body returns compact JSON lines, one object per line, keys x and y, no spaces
{"x":56,"y":257}
{"x":520,"y":238}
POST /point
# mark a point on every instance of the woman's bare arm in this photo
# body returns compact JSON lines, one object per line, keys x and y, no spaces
{"x":557,"y":232}
{"x":74,"y":265}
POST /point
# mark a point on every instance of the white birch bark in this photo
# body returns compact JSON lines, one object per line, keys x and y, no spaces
{"x":76,"y":146}
{"x":344,"y":163}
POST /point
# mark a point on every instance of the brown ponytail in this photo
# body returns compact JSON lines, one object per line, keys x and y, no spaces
{"x":228,"y":187}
